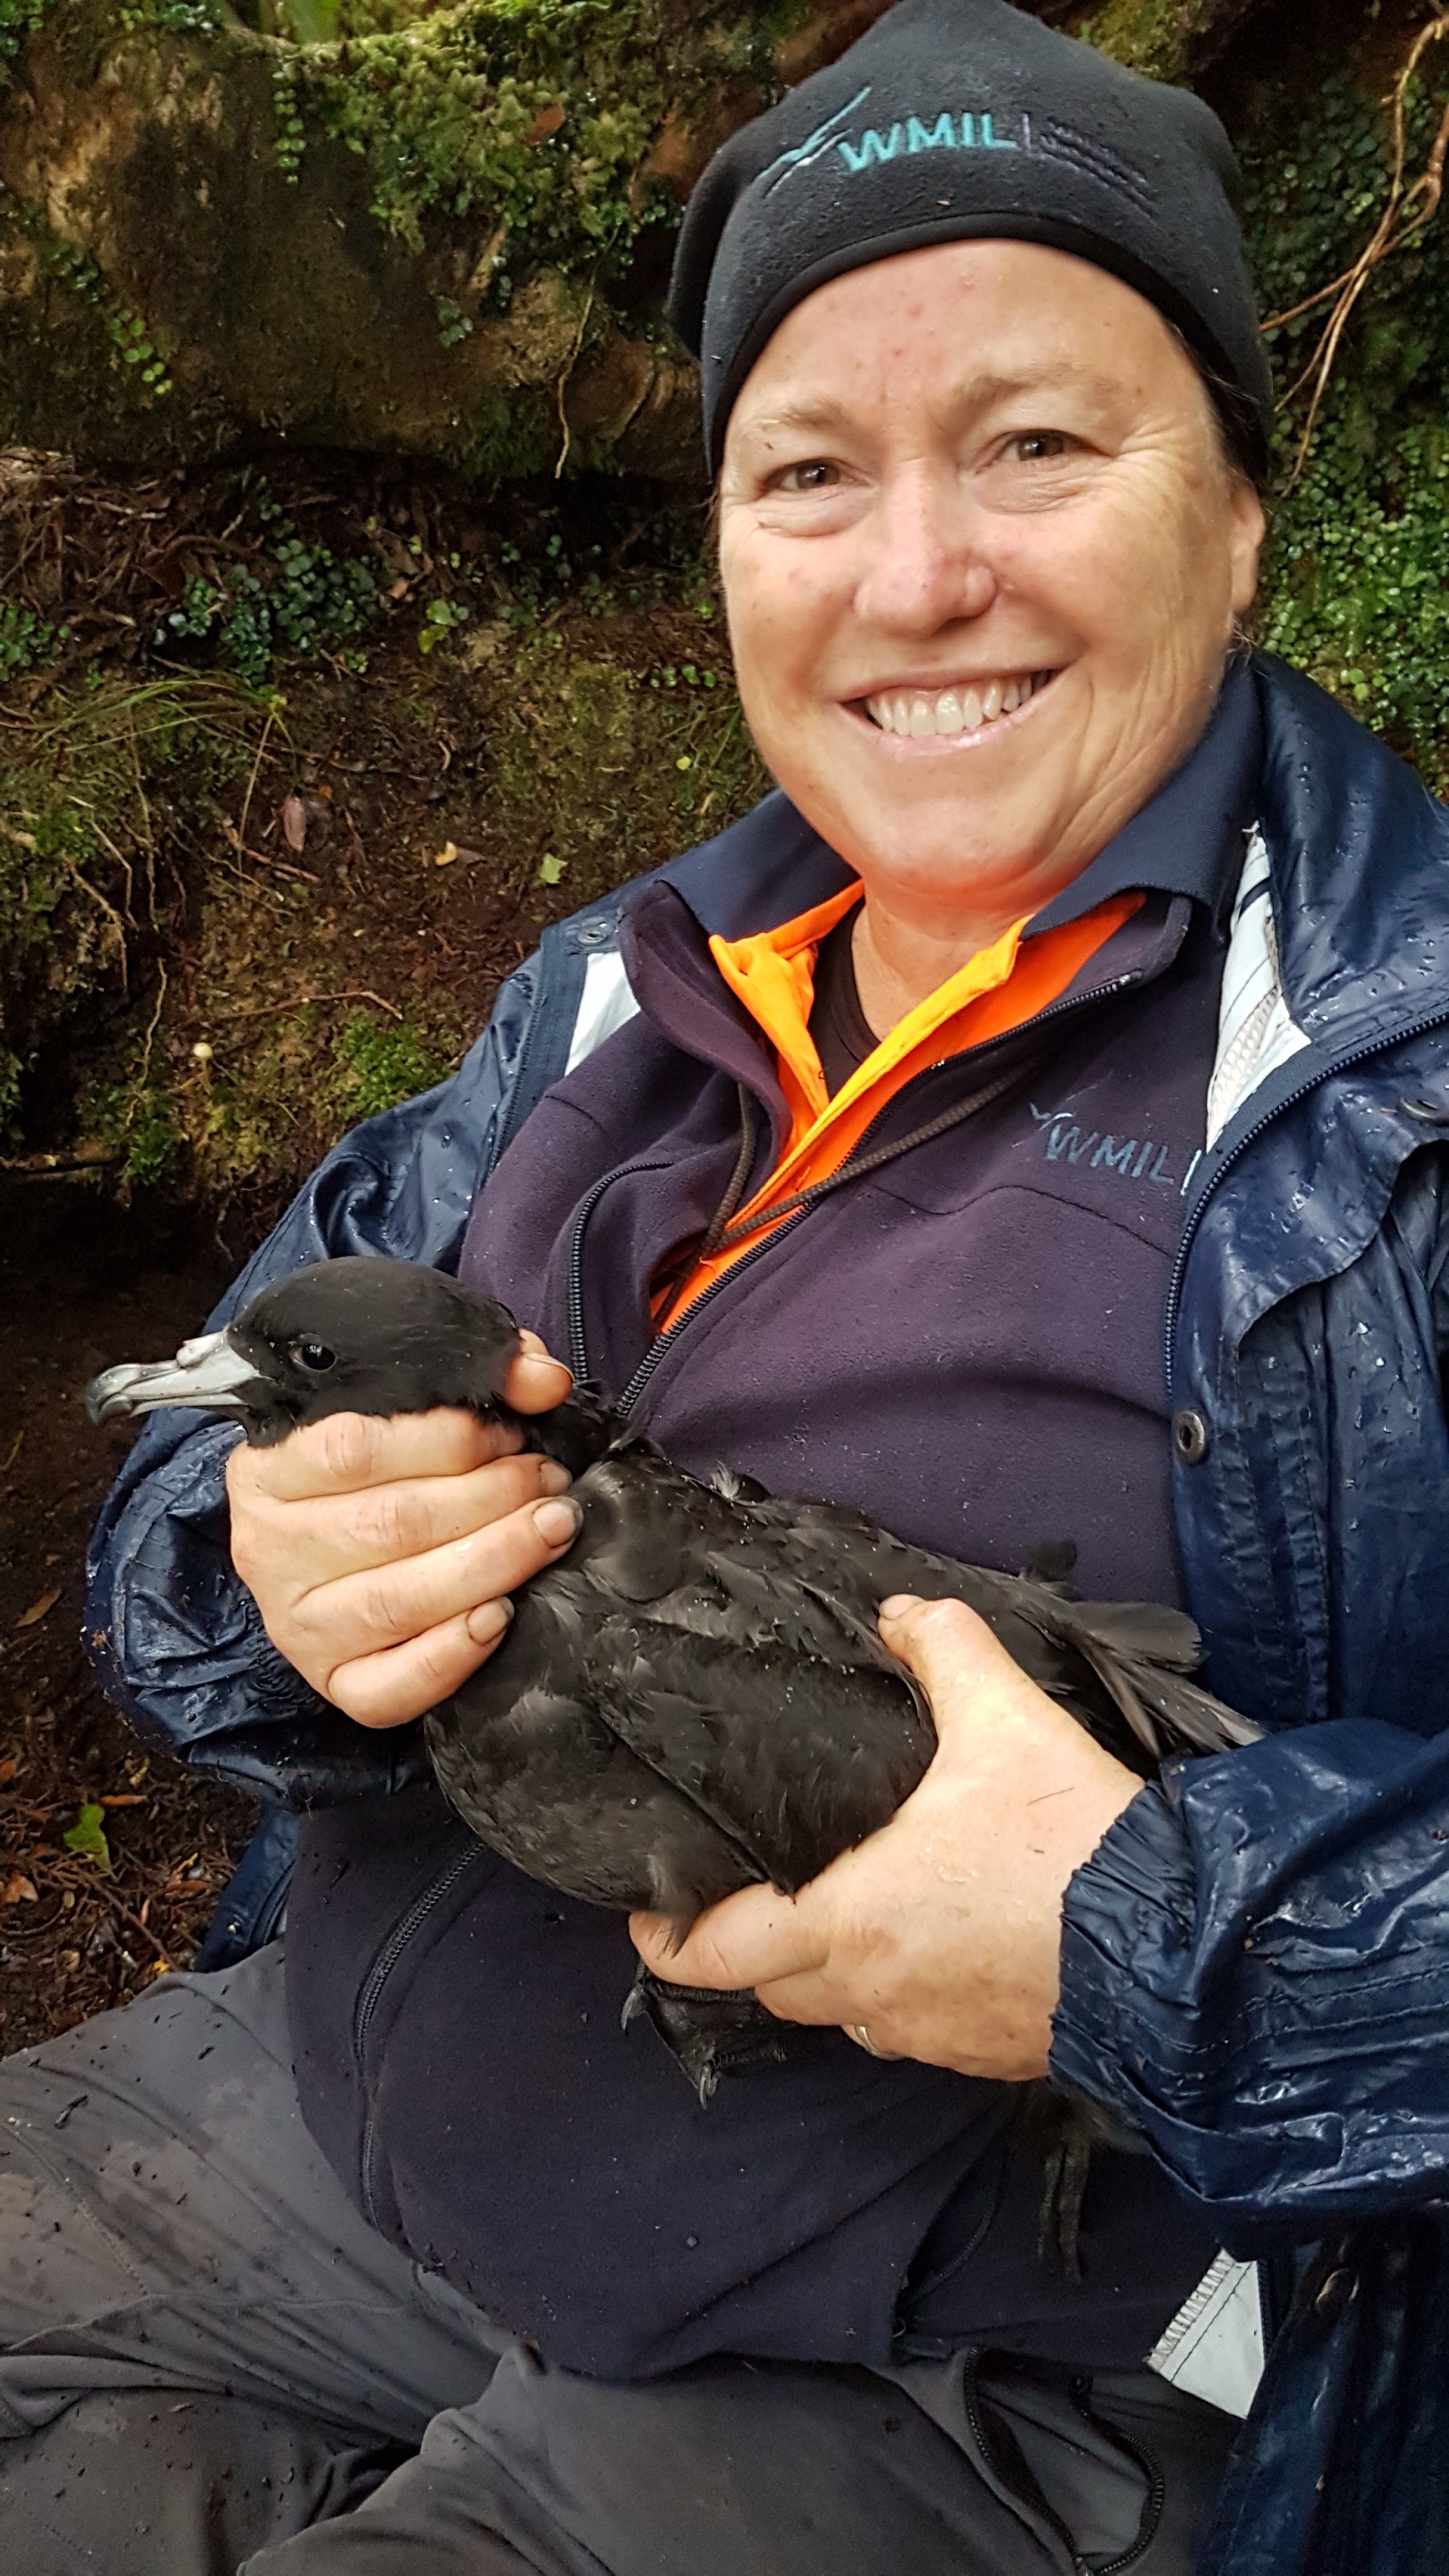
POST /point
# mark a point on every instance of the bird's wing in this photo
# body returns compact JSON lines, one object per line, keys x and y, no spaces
{"x":796,"y":1759}
{"x":1139,"y":1653}
{"x":1144,"y":1662}
{"x":536,"y":1772}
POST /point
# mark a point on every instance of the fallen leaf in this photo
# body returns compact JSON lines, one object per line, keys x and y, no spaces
{"x":550,"y":869}
{"x":547,"y":121}
{"x":37,"y":1610}
{"x":87,"y":1838}
{"x":446,"y":855}
{"x":8,"y":1768}
{"x":18,"y":1889}
{"x":124,"y":1798}
{"x":294,"y":822}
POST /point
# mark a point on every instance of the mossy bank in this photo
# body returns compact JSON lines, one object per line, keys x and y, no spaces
{"x":297,"y":750}
{"x":263,"y":863}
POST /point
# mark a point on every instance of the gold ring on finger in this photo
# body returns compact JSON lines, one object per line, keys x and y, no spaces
{"x":857,"y":2031}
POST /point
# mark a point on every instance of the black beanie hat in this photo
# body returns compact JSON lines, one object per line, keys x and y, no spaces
{"x":965,"y":120}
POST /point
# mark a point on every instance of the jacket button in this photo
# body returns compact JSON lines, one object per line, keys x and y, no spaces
{"x":1189,"y":1437}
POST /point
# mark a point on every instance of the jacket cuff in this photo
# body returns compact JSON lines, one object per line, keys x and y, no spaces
{"x":1127,"y":1912}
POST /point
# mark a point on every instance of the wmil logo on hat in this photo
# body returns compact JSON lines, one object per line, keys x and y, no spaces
{"x":941,"y":130}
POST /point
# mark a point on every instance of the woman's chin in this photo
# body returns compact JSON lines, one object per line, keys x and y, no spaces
{"x":948,"y":844}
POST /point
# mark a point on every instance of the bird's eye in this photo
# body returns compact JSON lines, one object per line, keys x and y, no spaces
{"x":315,"y":1357}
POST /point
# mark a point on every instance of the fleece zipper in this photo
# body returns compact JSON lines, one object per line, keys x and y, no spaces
{"x":373,"y":1988}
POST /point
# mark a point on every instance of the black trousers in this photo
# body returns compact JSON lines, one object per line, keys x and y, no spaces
{"x":208,"y":2362}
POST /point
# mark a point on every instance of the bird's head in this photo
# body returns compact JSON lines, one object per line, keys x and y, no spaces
{"x":349,"y":1336}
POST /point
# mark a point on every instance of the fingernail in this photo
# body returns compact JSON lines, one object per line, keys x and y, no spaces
{"x":489,"y":1621}
{"x":899,"y":1604}
{"x":557,"y":1523}
{"x":554,"y":1478}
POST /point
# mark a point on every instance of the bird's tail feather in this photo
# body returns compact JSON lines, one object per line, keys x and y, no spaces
{"x":1144,"y":1656}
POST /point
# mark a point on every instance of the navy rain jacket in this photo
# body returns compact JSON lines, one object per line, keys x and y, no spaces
{"x":1256,"y":1960}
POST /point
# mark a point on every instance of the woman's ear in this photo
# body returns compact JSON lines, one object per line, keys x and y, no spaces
{"x":1249,"y":527}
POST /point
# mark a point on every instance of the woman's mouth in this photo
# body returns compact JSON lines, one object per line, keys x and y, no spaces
{"x":966,"y":707}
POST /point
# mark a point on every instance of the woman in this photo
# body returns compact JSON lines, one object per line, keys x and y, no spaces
{"x":985,"y":397}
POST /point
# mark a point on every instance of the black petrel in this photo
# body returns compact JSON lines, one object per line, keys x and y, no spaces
{"x":697,"y":1695}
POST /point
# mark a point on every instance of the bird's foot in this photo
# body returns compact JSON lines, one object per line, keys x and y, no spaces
{"x":709,"y":2033}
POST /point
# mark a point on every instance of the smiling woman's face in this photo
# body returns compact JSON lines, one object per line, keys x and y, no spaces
{"x":982,"y":558}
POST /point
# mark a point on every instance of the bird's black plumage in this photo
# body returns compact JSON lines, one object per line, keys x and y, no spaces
{"x":697,"y":1695}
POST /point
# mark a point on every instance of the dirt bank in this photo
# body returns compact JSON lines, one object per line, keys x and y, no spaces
{"x":83,"y":1283}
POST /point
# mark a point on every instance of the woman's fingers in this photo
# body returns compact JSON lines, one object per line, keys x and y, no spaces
{"x":335,"y":1535}
{"x":390,"y":1605}
{"x":349,"y":1452}
{"x":381,"y":1552}
{"x":757,"y":1934}
{"x":938,"y":1937}
{"x":405,"y":1681}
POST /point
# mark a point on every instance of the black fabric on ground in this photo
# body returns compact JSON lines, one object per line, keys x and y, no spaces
{"x":204,"y":2352}
{"x":956,"y":120}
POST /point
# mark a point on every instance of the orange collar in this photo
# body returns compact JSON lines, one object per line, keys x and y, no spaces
{"x":773,"y":974}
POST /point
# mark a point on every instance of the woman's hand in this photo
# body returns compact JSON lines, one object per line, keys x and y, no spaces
{"x":939,"y":1937}
{"x":381,"y":1554}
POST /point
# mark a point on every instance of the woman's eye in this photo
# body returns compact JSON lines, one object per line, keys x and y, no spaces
{"x":1037,"y":446}
{"x":817,"y":474}
{"x":315,"y":1357}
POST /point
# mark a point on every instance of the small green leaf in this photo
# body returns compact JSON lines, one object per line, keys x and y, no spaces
{"x":550,"y":869}
{"x":87,"y":1837}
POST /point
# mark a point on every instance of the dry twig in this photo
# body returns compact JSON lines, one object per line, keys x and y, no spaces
{"x":152,"y":1027}
{"x":241,"y":829}
{"x":108,"y":909}
{"x":351,"y":993}
{"x":1407,"y":212}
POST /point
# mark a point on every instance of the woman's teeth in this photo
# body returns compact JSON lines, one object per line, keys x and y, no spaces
{"x":962,"y":710}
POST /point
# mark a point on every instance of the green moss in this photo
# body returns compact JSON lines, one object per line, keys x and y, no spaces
{"x":534,"y":118}
{"x":1354,"y":571}
{"x":577,"y":680}
{"x":507,"y":436}
{"x":604,"y":768}
{"x":377,"y":1063}
{"x":138,"y":1121}
{"x":62,"y":931}
{"x":132,"y":348}
{"x":88,"y":797}
{"x":26,"y":638}
{"x":1148,"y":36}
{"x":18,"y":20}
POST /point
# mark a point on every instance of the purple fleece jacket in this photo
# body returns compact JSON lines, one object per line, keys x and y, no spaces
{"x":967,"y":1345}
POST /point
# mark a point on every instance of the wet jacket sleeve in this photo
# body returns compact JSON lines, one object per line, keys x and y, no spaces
{"x":1255,"y":1976}
{"x":1255,"y":1961}
{"x":173,"y":1632}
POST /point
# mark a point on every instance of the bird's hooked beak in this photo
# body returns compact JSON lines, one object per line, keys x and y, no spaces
{"x":209,"y":1374}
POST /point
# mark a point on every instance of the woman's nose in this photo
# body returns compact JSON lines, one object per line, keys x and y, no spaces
{"x":926,"y":567}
